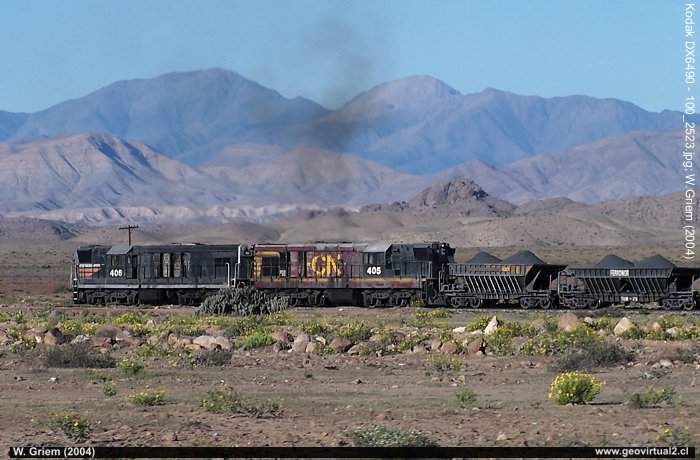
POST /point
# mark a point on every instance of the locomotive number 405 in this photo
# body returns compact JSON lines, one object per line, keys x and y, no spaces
{"x":374,"y":270}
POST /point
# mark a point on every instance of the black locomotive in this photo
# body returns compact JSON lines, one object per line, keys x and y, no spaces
{"x":177,"y":273}
{"x":372,"y":275}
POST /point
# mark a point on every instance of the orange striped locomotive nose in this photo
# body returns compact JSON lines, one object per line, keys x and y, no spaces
{"x":88,"y":270}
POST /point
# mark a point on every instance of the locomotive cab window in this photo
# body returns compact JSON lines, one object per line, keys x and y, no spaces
{"x":373,"y":258}
{"x":271,"y":265}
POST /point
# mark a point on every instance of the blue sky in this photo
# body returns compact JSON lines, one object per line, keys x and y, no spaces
{"x":330,"y":51}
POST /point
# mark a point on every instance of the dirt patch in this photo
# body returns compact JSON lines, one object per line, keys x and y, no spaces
{"x":322,"y":397}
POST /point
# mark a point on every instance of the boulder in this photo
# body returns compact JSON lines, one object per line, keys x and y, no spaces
{"x":282,"y":337}
{"x":568,"y":322}
{"x":449,"y":348}
{"x":340,"y":344}
{"x":623,"y":326}
{"x":54,"y":337}
{"x":80,"y":339}
{"x":108,"y":330}
{"x":475,"y":346}
{"x":300,"y":343}
{"x":100,"y":342}
{"x":492,"y":326}
{"x":539,"y":325}
{"x":211,"y":342}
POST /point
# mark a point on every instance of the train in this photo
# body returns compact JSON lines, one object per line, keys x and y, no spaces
{"x":376,"y":274}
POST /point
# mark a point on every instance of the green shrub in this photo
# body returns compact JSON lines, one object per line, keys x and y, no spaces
{"x":226,"y":400}
{"x":356,"y":331}
{"x":130,"y":367}
{"x":216,"y":357}
{"x":130,"y":318}
{"x":77,"y":355}
{"x":314,"y":327}
{"x":241,"y":301}
{"x":381,"y":436}
{"x":575,"y":388}
{"x":77,"y":429}
{"x":675,"y":436}
{"x":653,"y":397}
{"x":148,"y":397}
{"x":560,"y":341}
{"x":466,"y":397}
{"x":255,"y":340}
{"x":597,"y":354}
{"x":442,"y":364}
{"x":110,"y":390}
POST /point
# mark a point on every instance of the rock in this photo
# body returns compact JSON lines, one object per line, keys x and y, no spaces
{"x":434,"y":345}
{"x":672,"y":330}
{"x":340,"y":344}
{"x":539,"y":325}
{"x":282,"y":337}
{"x":501,"y":437}
{"x":108,"y":330}
{"x":656,"y":327}
{"x":459,"y":330}
{"x":211,"y":342}
{"x":311,"y":347}
{"x":623,"y":326}
{"x":54,"y":337}
{"x":356,"y":349}
{"x":123,"y":335}
{"x":100,"y":342}
{"x":475,"y":346}
{"x":276,"y":347}
{"x":300,"y":343}
{"x":418,"y":349}
{"x":590,"y":321}
{"x":492,"y":326}
{"x":568,"y":322}
{"x":665,"y":363}
{"x":320,"y":339}
{"x":223,"y":342}
{"x":80,"y":339}
{"x":173,"y":338}
{"x":449,"y":348}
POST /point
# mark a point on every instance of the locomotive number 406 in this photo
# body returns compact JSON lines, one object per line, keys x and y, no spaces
{"x":374,"y":270}
{"x":116,"y":272}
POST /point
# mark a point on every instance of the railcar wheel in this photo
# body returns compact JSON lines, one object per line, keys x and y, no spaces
{"x":524,"y":303}
{"x":545,"y":304}
{"x":475,"y":302}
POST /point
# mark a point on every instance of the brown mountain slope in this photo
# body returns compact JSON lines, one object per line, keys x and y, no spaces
{"x":455,"y":198}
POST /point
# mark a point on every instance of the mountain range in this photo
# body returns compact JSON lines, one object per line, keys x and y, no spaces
{"x":213,"y":145}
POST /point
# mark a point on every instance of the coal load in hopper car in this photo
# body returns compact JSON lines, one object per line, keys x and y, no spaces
{"x":523,"y":279}
{"x":614,"y":280}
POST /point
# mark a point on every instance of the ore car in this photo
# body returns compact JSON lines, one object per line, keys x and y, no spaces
{"x":486,"y":280}
{"x":174,"y":273}
{"x":614,"y":280}
{"x":372,"y":275}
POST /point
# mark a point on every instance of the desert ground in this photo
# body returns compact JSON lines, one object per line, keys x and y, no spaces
{"x":144,"y":376}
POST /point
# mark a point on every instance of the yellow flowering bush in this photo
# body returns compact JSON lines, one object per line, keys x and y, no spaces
{"x":73,"y":426}
{"x":148,"y":397}
{"x":575,"y":388}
